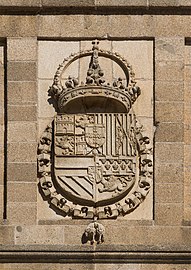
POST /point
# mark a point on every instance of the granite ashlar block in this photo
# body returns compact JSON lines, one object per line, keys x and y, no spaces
{"x":169,"y":26}
{"x":169,"y":91}
{"x":169,"y":153}
{"x":121,"y":3}
{"x":169,"y":193}
{"x":22,"y":49}
{"x":21,"y":71}
{"x":169,"y":173}
{"x":22,"y":131}
{"x":6,"y":235}
{"x":22,"y":3}
{"x":22,"y":152}
{"x":171,"y":71}
{"x":30,"y":266}
{"x":187,"y":73}
{"x":170,"y":132}
{"x":52,"y":235}
{"x":22,"y":192}
{"x":22,"y":93}
{"x":18,"y":26}
{"x":21,"y":213}
{"x":165,"y":235}
{"x":22,"y":113}
{"x":168,"y":214}
{"x":164,"y":3}
{"x":169,"y":49}
{"x":15,"y":172}
{"x":125,"y":26}
{"x":187,"y":155}
{"x":169,"y":112}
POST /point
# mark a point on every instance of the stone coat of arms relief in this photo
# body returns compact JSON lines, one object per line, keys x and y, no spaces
{"x":94,"y":160}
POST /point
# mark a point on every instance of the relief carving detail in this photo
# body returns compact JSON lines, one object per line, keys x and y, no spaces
{"x":95,"y":162}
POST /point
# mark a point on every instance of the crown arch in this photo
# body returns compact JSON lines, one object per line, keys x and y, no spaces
{"x":95,"y":93}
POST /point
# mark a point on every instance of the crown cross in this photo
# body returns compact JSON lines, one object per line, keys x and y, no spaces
{"x":95,"y":73}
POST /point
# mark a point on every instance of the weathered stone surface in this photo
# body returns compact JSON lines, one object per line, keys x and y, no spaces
{"x":62,"y":3}
{"x":22,"y":71}
{"x":170,"y":132}
{"x":124,"y":26}
{"x":168,"y":214}
{"x":169,"y":153}
{"x":169,"y":91}
{"x":187,"y":174}
{"x":123,"y":3}
{"x":18,"y":26}
{"x":169,"y":71}
{"x":22,"y":3}
{"x":187,"y":94}
{"x":166,"y":235}
{"x":22,"y":93}
{"x":97,"y":25}
{"x":6,"y":235}
{"x":74,"y":238}
{"x":169,"y":193}
{"x":29,"y":235}
{"x":20,"y":213}
{"x":80,"y":267}
{"x":169,"y":26}
{"x":169,"y":112}
{"x":1,"y":201}
{"x":22,"y":152}
{"x":45,"y":110}
{"x":187,"y":54}
{"x":93,"y":3}
{"x":165,"y":3}
{"x":137,"y":54}
{"x":57,"y":51}
{"x":50,"y":26}
{"x":15,"y":172}
{"x":187,"y":73}
{"x":169,"y":173}
{"x":31,"y":266}
{"x":187,"y":155}
{"x":184,"y":2}
{"x":22,"y":131}
{"x":187,"y":111}
{"x":22,"y":112}
{"x":21,"y":49}
{"x":21,"y":192}
{"x":169,"y":49}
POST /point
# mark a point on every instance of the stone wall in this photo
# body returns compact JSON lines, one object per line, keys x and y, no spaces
{"x":35,"y":36}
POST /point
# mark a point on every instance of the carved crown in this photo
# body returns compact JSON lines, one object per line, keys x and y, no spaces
{"x":119,"y":92}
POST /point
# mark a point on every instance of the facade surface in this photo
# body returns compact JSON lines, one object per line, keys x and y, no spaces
{"x":95,"y":135}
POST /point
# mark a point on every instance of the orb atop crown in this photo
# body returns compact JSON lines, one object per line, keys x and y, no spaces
{"x":96,"y":91}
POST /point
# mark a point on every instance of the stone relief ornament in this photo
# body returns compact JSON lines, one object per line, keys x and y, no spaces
{"x":94,"y":160}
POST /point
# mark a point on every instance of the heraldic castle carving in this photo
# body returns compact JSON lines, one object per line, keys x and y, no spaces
{"x":94,"y":160}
